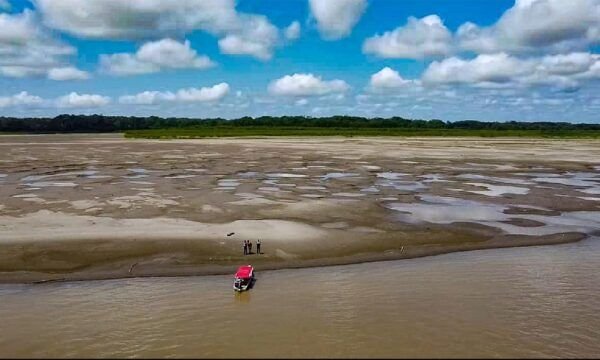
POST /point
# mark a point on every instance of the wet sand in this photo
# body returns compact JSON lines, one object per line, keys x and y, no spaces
{"x":76,"y":207}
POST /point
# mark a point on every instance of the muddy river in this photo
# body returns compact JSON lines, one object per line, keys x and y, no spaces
{"x":521,"y":302}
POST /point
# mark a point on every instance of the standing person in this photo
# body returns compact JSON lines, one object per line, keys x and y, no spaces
{"x":245,"y":247}
{"x":249,"y":246}
{"x":258,"y":246}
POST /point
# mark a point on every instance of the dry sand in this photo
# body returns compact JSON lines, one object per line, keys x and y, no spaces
{"x":100,"y":206}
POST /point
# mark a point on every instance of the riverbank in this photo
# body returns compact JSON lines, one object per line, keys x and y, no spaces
{"x":41,"y":248}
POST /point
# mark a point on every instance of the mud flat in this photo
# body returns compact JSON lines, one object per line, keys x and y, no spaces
{"x":78,"y":207}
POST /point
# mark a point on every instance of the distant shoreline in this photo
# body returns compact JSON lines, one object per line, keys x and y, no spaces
{"x":258,"y":132}
{"x":338,"y":125}
{"x":196,"y":133}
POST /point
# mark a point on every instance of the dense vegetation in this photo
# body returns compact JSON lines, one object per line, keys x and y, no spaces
{"x":157,"y":127}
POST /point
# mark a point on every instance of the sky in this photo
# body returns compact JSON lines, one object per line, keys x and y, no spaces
{"x":501,"y":60}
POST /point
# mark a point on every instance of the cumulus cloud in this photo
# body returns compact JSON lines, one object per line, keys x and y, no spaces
{"x":170,"y":53}
{"x":388,"y":78}
{"x":67,"y":73}
{"x":237,"y":45}
{"x":418,"y":39}
{"x":22,"y":98}
{"x":594,"y":71}
{"x":240,"y":33}
{"x":256,"y":38}
{"x":562,"y":71}
{"x":26,"y":49}
{"x":109,"y":19}
{"x":494,"y":68}
{"x":125,"y":64}
{"x":530,"y":26}
{"x":568,"y":64}
{"x":205,"y":94}
{"x":292,"y":32}
{"x":75,"y":100}
{"x":71,"y":100}
{"x":155,"y":56}
{"x":306,"y":85}
{"x":535,"y":25}
{"x":336,"y":18}
{"x":147,"y":98}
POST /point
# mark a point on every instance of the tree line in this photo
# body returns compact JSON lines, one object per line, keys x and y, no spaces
{"x":100,"y":123}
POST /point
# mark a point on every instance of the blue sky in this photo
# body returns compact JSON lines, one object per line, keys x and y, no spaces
{"x":462,"y":59}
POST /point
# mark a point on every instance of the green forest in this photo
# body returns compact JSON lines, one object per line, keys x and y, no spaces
{"x":158,"y":127}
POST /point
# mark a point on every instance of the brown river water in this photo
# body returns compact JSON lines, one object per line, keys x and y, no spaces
{"x":521,"y":302}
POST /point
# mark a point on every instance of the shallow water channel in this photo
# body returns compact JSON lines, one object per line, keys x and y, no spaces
{"x":520,"y":302}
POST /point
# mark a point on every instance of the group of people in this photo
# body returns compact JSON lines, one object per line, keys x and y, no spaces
{"x":248,"y":247}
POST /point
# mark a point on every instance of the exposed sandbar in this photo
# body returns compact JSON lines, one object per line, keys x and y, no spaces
{"x":98,"y":206}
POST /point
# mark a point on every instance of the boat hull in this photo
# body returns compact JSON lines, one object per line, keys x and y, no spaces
{"x":243,"y":286}
{"x":243,"y":278}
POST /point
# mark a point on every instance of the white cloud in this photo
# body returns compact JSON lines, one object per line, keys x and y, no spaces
{"x":306,"y":85}
{"x":26,"y":49}
{"x":125,"y":64}
{"x":535,"y":25}
{"x":204,"y":94}
{"x":256,"y":38}
{"x":494,"y":68}
{"x":22,"y":98}
{"x":562,"y":72}
{"x":155,"y":56}
{"x":292,"y":32}
{"x":388,"y":78}
{"x":472,"y":38}
{"x":18,"y":28}
{"x":568,"y":64}
{"x":336,"y":18}
{"x":418,"y":39}
{"x":168,"y":53}
{"x":67,"y":73}
{"x":18,"y":71}
{"x":147,"y":98}
{"x":240,"y":33}
{"x":75,"y":100}
{"x":530,"y":26}
{"x":593,"y":71}
{"x":110,"y":19}
{"x":237,"y":45}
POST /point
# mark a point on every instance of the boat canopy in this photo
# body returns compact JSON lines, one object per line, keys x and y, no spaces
{"x":244,"y":272}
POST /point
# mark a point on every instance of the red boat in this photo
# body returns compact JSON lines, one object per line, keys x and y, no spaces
{"x":243,"y":278}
